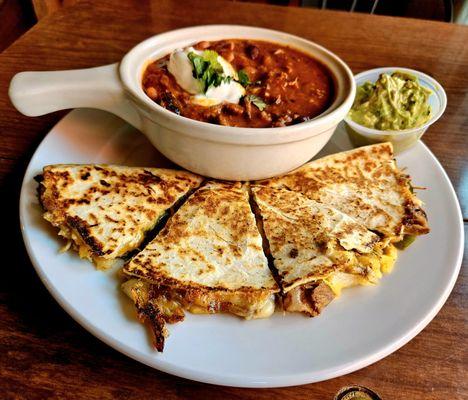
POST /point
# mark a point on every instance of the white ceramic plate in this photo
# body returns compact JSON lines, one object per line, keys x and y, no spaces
{"x":364,"y":325}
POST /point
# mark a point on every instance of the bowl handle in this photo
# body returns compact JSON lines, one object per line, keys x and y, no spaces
{"x":39,"y":93}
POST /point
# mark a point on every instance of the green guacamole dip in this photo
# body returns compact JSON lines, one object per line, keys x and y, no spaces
{"x":394,"y":102}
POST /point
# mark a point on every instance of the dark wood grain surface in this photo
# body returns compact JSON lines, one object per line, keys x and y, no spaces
{"x":44,"y":354}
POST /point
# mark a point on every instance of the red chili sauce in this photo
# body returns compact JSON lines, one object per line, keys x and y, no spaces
{"x":293,"y":86}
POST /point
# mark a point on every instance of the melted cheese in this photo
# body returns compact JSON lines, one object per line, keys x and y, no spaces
{"x":266,"y":310}
{"x":74,"y":241}
{"x":172,"y":301}
{"x":373,"y":266}
{"x":341,"y":280}
{"x":239,"y":305}
{"x":388,"y":259}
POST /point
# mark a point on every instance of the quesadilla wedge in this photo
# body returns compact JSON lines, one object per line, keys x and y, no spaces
{"x":316,"y":249}
{"x":104,"y":211}
{"x":365,"y":184}
{"x":207,"y":259}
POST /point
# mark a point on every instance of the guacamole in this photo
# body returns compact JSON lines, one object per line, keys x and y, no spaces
{"x":394,"y":102}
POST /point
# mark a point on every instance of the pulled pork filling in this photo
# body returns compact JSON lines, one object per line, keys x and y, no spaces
{"x":158,"y":305}
{"x":313,"y":297}
{"x":309,"y":299}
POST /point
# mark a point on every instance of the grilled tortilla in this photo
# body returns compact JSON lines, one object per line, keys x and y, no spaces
{"x":365,"y":184}
{"x":207,"y":259}
{"x":104,"y":211}
{"x":316,"y":249}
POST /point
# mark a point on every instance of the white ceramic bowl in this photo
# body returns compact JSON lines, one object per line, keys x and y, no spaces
{"x":404,"y":139}
{"x":217,"y":151}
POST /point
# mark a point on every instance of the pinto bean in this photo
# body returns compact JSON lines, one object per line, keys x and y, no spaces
{"x":229,"y":56}
{"x":152,"y":92}
{"x":267,"y":60}
{"x":228,"y":46}
{"x":165,"y":80}
{"x":252,"y":51}
{"x":223,"y":120}
{"x":233,"y":109}
{"x":241,"y":59}
{"x":203,"y":45}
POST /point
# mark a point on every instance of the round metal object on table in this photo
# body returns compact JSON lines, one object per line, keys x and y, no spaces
{"x":356,"y":392}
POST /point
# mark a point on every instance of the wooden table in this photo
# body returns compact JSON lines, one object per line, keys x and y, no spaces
{"x":45,"y":354}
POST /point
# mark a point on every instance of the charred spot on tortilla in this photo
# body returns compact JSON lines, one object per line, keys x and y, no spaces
{"x":364,"y":183}
{"x":105,"y":211}
{"x":208,"y":258}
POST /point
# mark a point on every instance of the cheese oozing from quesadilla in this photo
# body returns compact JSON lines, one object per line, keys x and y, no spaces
{"x":365,"y":184}
{"x":316,"y":249}
{"x":105,"y":210}
{"x":207,"y":259}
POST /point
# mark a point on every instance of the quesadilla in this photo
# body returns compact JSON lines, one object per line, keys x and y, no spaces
{"x":104,"y":211}
{"x":208,"y":259}
{"x":365,"y":184}
{"x":316,"y":249}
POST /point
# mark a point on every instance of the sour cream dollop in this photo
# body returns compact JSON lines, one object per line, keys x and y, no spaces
{"x":181,"y":68}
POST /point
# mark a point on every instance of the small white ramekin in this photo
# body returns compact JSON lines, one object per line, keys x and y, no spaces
{"x":404,"y":139}
{"x":216,"y":151}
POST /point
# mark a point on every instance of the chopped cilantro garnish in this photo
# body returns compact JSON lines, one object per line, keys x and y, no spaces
{"x":209,"y":72}
{"x":257,"y":101}
{"x":207,"y":69}
{"x":198,"y":63}
{"x":244,"y":79}
{"x":211,"y":57}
